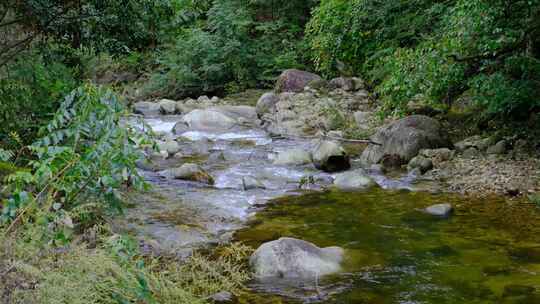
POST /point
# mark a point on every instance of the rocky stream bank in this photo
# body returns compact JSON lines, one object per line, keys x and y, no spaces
{"x":219,"y":162}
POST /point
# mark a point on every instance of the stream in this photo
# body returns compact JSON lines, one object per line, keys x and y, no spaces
{"x":487,"y":252}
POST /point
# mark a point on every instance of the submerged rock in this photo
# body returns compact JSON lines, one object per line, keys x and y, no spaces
{"x":146,"y":108}
{"x":354,"y":180}
{"x":513,"y":290}
{"x":190,"y":172}
{"x":329,"y":156}
{"x":405,"y":138}
{"x":249,"y":182}
{"x":294,"y":156}
{"x":442,"y":210}
{"x":295,"y":80}
{"x":293,"y":258}
{"x":222,"y":297}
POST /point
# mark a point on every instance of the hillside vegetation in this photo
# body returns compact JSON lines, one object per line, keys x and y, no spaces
{"x":70,"y":69}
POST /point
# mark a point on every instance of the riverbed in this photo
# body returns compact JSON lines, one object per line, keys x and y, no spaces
{"x":488,"y":251}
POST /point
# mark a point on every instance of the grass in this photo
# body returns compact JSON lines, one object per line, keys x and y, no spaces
{"x":111,"y":271}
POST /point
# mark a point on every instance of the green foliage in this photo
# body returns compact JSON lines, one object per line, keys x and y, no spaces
{"x":84,"y":152}
{"x":114,"y":26}
{"x":232,"y":47}
{"x":30,"y":90}
{"x":112,"y":272}
{"x":359,"y":32}
{"x":435,"y":50}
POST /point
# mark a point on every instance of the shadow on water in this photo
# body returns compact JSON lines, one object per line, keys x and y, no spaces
{"x":488,"y":251}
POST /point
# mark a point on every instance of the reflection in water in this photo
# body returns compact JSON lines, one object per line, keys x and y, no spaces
{"x":484,"y":253}
{"x":488,"y":252}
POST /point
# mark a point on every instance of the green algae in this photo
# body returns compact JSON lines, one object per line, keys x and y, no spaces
{"x":486,"y":252}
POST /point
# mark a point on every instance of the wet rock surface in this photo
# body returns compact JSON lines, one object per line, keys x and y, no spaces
{"x":293,"y":258}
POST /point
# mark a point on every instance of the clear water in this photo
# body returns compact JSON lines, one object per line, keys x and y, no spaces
{"x":487,"y":252}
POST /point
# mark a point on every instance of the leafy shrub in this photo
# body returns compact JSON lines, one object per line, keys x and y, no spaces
{"x":435,"y":50}
{"x":237,"y":48}
{"x":84,"y":152}
{"x":359,"y":32}
{"x":30,"y":91}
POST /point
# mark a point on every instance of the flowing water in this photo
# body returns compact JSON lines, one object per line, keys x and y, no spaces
{"x":487,"y":252}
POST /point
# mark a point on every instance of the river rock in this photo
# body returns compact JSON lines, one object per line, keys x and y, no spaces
{"x":295,"y":156}
{"x":190,"y":172}
{"x":329,"y":156}
{"x":358,"y":83}
{"x":180,"y":127}
{"x":208,"y":120}
{"x":203,"y":99}
{"x":363,"y":119}
{"x":354,"y":180}
{"x":293,"y":258}
{"x":343,"y":83}
{"x":249,"y":182}
{"x":471,"y":152}
{"x":437,"y":156}
{"x":405,"y":138}
{"x":222,"y":297}
{"x":513,"y":290}
{"x":442,"y":210}
{"x":498,"y":148}
{"x":170,"y":146}
{"x":295,"y":80}
{"x":266,"y":104}
{"x":167,"y":106}
{"x":420,"y":162}
{"x":147,"y":108}
{"x":477,"y":142}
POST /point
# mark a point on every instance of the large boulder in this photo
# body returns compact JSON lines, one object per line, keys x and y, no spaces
{"x":295,"y":80}
{"x":147,"y":108}
{"x":403,"y":139}
{"x":246,"y":113}
{"x":266,"y":104}
{"x":329,"y":156}
{"x":295,"y":156}
{"x":209,"y":120}
{"x":292,"y":258}
{"x":167,"y":106}
{"x":190,"y":172}
{"x":354,"y":180}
